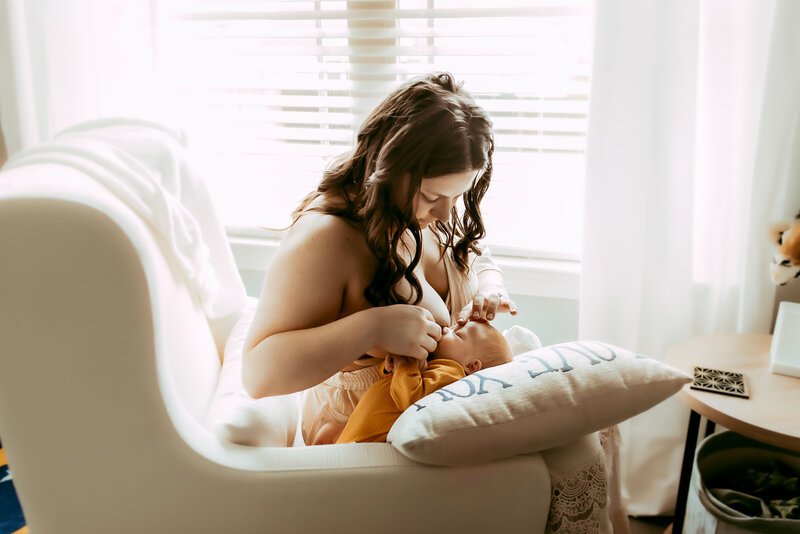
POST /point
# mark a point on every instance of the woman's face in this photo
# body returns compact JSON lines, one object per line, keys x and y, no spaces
{"x":437,"y":196}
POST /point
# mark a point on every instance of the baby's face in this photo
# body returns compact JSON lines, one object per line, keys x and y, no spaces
{"x":460,"y":342}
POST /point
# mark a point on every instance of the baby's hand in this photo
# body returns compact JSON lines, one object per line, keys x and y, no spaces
{"x":392,"y":360}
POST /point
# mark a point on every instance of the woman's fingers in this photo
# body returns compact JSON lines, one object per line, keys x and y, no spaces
{"x":510,"y":304}
{"x":433,"y":328}
{"x":463,"y":315}
{"x":406,"y":329}
{"x":426,"y":339}
{"x":490,"y":306}
{"x":429,"y":344}
{"x":419,"y":353}
{"x":477,"y":306}
{"x":434,"y":331}
{"x":487,"y":307}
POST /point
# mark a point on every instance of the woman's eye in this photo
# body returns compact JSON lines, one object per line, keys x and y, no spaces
{"x":428,"y":199}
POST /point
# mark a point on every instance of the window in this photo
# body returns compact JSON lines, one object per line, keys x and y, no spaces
{"x":270,"y":91}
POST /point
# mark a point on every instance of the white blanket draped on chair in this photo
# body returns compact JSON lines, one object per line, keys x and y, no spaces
{"x":145,"y":165}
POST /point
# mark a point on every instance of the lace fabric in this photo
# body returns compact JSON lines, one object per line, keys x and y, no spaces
{"x":579,"y":500}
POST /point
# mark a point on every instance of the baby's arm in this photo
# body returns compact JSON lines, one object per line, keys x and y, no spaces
{"x":391,"y":360}
{"x":409,"y":384}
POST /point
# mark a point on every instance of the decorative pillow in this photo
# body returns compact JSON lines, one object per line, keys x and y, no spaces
{"x":544,"y":398}
{"x":235,"y":416}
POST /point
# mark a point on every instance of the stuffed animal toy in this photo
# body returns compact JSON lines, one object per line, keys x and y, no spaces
{"x":785,"y":264}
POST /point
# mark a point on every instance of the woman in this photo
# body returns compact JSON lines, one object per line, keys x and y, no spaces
{"x":378,"y":258}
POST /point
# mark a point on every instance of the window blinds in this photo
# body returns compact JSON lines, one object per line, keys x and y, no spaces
{"x":270,"y":91}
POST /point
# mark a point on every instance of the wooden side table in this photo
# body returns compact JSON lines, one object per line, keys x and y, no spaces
{"x":769,"y":415}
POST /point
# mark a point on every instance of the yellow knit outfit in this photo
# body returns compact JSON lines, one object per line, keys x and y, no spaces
{"x":387,"y":398}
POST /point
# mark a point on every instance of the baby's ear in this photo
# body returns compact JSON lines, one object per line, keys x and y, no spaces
{"x":473,"y":366}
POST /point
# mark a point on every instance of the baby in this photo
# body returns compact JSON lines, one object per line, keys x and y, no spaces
{"x":461,"y":351}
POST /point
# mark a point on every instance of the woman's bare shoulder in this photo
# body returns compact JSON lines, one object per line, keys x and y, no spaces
{"x":310,"y":276}
{"x":318,"y":224}
{"x":326,"y":234}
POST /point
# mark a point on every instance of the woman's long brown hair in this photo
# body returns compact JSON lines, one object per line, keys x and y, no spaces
{"x":428,"y":127}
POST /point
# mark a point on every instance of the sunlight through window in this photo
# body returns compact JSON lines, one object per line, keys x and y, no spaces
{"x":270,"y":91}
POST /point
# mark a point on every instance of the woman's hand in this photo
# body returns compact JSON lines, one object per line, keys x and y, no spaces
{"x":488,"y":302}
{"x":406,"y":330}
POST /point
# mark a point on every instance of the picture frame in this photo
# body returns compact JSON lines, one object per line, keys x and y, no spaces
{"x":785,"y":347}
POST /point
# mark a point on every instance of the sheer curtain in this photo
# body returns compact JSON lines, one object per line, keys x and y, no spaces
{"x":65,"y":62}
{"x":692,"y":151}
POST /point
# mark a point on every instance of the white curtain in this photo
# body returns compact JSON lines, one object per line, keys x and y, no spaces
{"x":63,"y":62}
{"x":693,"y":149}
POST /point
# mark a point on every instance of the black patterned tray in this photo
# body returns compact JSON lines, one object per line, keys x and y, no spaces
{"x":723,"y":382}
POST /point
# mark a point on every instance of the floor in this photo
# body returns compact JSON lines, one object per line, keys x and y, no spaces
{"x":649,"y":525}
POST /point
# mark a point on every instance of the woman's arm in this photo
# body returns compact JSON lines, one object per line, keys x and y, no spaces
{"x":298,"y":337}
{"x":491,"y":296}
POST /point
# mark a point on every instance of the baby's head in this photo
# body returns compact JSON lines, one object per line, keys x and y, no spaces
{"x":475,"y":345}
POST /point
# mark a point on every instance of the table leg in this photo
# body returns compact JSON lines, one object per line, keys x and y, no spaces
{"x":710,"y":427}
{"x":686,"y":471}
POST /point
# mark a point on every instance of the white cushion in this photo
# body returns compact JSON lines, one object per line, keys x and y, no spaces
{"x":544,"y":398}
{"x":235,"y":416}
{"x":520,"y":340}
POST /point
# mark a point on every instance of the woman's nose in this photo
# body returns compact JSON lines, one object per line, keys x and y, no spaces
{"x":441,"y":211}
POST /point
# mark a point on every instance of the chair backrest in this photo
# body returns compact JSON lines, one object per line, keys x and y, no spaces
{"x":68,"y":247}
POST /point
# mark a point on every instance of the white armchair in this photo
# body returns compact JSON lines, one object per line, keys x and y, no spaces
{"x":107,"y":365}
